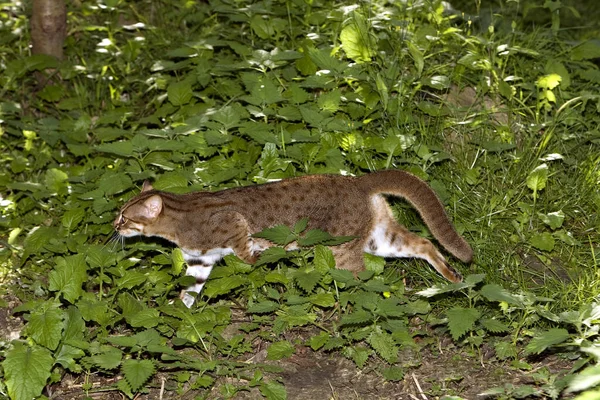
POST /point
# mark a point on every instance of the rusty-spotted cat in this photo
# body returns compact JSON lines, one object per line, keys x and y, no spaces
{"x":209,"y":225}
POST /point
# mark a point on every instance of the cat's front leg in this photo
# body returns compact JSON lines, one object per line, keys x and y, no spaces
{"x":201,"y":272}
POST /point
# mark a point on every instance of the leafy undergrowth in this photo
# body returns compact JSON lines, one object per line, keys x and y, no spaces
{"x":500,"y":119}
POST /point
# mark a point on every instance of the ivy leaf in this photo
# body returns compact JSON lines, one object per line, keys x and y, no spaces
{"x":549,"y":338}
{"x":542,"y":241}
{"x":45,"y":324}
{"x":384,"y":345}
{"x":68,"y":276}
{"x":273,"y":391}
{"x":461,"y":320}
{"x":279,"y":350}
{"x":26,"y":370}
{"x":137,"y":372}
{"x":307,"y":280}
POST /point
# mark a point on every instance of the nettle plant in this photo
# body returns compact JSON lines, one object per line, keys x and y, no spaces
{"x":240,"y":95}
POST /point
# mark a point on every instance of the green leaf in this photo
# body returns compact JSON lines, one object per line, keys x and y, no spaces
{"x":26,"y":370}
{"x":393,"y":374}
{"x":68,"y":277}
{"x":179,"y":93}
{"x":307,"y":280}
{"x":137,"y":372}
{"x":146,"y":318}
{"x":280,"y":235}
{"x":359,"y":317}
{"x":374,"y":263}
{"x":271,"y":255}
{"x":72,"y":218}
{"x":493,"y":325}
{"x":218,"y":287}
{"x":357,"y":41}
{"x":542,"y":241}
{"x":586,"y":51}
{"x":549,"y":81}
{"x":262,"y":307}
{"x":587,"y":379}
{"x":323,"y":299}
{"x":273,"y":391}
{"x":316,"y":342}
{"x":494,"y":292}
{"x":314,"y":237}
{"x":109,"y":359}
{"x":279,"y":350}
{"x":131,"y":279}
{"x":384,"y":345}
{"x":123,"y":148}
{"x":537,"y":179}
{"x":549,"y":338}
{"x":461,"y":320}
{"x":323,"y":261}
{"x":45,"y":324}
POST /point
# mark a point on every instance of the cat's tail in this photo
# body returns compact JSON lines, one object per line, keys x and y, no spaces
{"x":423,"y":198}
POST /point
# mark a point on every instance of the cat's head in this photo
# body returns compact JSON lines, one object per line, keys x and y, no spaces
{"x":139,"y":213}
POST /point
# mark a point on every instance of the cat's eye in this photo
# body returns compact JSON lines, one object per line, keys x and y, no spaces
{"x":122,"y":220}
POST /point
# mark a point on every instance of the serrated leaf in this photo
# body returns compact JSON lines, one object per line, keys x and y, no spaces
{"x":273,"y":391}
{"x":549,"y":338}
{"x":218,"y":287}
{"x":506,"y":350}
{"x":137,"y":372}
{"x":461,"y":320}
{"x":316,"y":342}
{"x":314,"y":237}
{"x":494,"y":292}
{"x":323,"y":299}
{"x":342,"y":276}
{"x":323,"y":261}
{"x":45,"y":324}
{"x":393,"y":374}
{"x":131,"y":279}
{"x":280,"y":235}
{"x":146,"y":318}
{"x":179,"y":93}
{"x":279,"y":350}
{"x":493,"y":325}
{"x":307,"y":280}
{"x":357,"y":41}
{"x":384,"y":345}
{"x":72,"y":218}
{"x":271,"y":255}
{"x":109,"y":359}
{"x":123,"y":148}
{"x":586,"y":379}
{"x":542,"y":241}
{"x":26,"y":370}
{"x":68,"y":277}
{"x":359,"y":317}
{"x":263,"y":307}
{"x":374,"y":263}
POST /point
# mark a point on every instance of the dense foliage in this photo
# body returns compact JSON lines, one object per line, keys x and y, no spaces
{"x":500,"y":118}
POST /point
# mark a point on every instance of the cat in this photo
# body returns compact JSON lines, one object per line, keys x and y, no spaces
{"x":209,"y":225}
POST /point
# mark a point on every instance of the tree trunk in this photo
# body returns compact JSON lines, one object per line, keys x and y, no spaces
{"x":48,"y":27}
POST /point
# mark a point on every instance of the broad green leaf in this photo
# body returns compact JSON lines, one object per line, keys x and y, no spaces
{"x":218,"y":287}
{"x":26,"y":370}
{"x":384,"y":345}
{"x":494,"y":292}
{"x":179,"y":93}
{"x":262,"y":26}
{"x":131,"y":279}
{"x":374,"y":263}
{"x":38,"y":237}
{"x":323,"y":261}
{"x":307,"y":280}
{"x":323,"y":299}
{"x":72,"y":218}
{"x":273,"y":391}
{"x":109,"y":358}
{"x":586,"y":51}
{"x":314,"y":237}
{"x":46,"y":324}
{"x":67,"y":357}
{"x":56,"y":181}
{"x":280,"y":235}
{"x":123,"y":148}
{"x":316,"y":342}
{"x":68,"y":277}
{"x":461,"y":320}
{"x":542,"y":241}
{"x":112,"y":183}
{"x":358,"y":354}
{"x":146,"y":318}
{"x":547,"y":339}
{"x":359,"y":317}
{"x":554,"y":219}
{"x":587,"y":379}
{"x":549,"y":81}
{"x":357,"y":40}
{"x":271,"y":255}
{"x":262,"y":307}
{"x":505,"y":350}
{"x":537,"y":179}
{"x":137,"y":372}
{"x":343,"y":276}
{"x":393,"y":374}
{"x":493,"y":325}
{"x":279,"y":350}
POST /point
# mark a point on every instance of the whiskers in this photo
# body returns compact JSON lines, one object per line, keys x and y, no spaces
{"x":114,"y":240}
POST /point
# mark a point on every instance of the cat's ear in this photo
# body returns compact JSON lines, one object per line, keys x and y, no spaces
{"x":146,"y":186}
{"x":153,"y":207}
